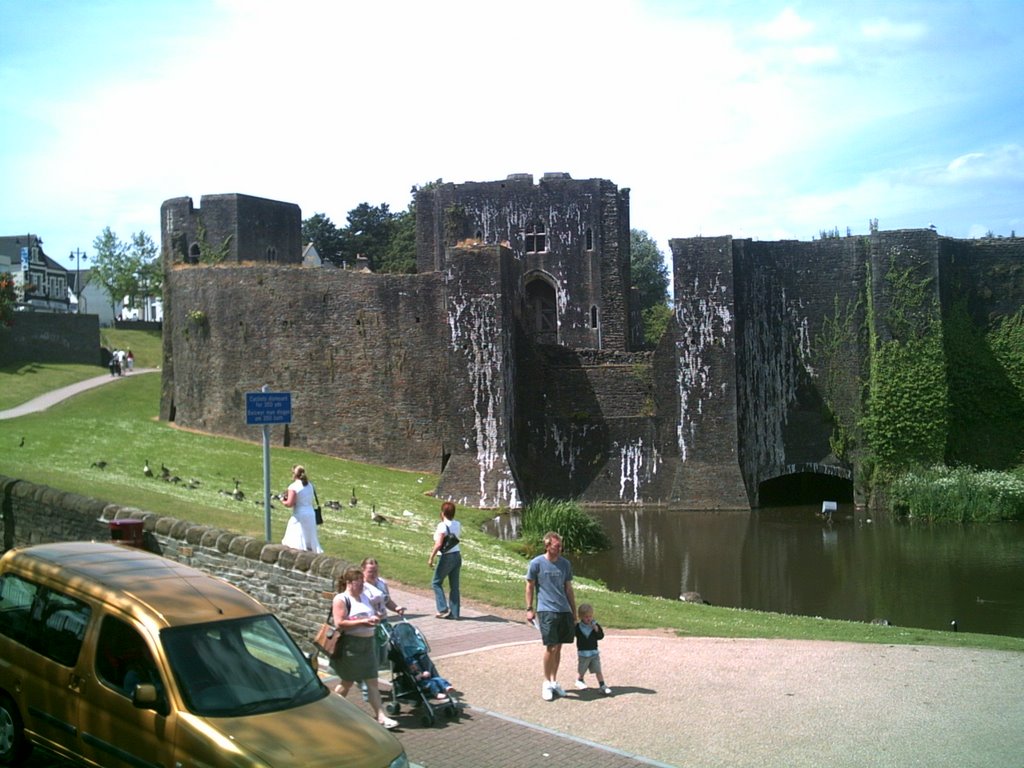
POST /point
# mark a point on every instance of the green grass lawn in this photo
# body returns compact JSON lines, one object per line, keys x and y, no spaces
{"x":117,"y":424}
{"x":21,"y":382}
{"x":146,"y":346}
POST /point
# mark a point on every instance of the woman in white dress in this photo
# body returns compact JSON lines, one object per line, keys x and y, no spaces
{"x":301,"y":530}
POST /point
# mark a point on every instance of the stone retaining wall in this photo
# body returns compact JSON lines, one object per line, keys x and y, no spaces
{"x":295,"y":585}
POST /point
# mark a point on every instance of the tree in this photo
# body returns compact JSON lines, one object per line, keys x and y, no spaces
{"x":368,"y":233}
{"x":400,"y":253}
{"x":127,"y":270}
{"x":150,"y":275}
{"x":114,"y":267}
{"x":8,"y":298}
{"x":319,"y":230}
{"x":649,"y":276}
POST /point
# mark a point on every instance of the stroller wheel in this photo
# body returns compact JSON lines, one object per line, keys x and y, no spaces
{"x":427,"y":719}
{"x":393,"y":709}
{"x":452,"y":712}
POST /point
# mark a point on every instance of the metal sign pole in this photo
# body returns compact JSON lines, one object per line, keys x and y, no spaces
{"x":266,"y":479}
{"x":266,"y":408}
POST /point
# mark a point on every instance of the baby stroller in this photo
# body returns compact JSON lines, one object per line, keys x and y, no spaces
{"x":414,"y":678}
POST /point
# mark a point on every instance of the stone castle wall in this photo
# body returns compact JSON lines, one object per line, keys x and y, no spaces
{"x":444,"y":371}
{"x":409,"y":371}
{"x":48,"y":337}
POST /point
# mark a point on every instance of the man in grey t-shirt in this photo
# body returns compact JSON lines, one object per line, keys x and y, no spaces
{"x":549,"y":576}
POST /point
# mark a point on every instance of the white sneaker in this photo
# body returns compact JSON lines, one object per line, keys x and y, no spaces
{"x":557,"y":689}
{"x":546,"y":691}
{"x":580,"y":685}
{"x":606,"y":690}
{"x":387,"y":722}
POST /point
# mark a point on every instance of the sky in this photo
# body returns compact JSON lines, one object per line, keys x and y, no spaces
{"x":767,"y":120}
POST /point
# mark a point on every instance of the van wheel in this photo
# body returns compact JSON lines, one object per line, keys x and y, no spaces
{"x":14,"y":747}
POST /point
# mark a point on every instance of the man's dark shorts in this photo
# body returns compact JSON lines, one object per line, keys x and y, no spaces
{"x":556,"y":628}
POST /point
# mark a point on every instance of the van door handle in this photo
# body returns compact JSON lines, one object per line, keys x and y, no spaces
{"x":75,"y":683}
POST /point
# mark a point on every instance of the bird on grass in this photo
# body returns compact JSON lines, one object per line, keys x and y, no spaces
{"x":353,"y":501}
{"x":237,"y":494}
{"x":146,"y":469}
{"x":99,"y":464}
{"x":374,"y":517}
{"x":165,"y":472}
{"x":21,"y":443}
{"x":332,"y":504}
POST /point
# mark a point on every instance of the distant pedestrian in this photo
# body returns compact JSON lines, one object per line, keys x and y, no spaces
{"x":301,"y":530}
{"x":446,"y":544}
{"x":549,"y":576}
{"x":129,"y":358}
{"x":588,"y":658}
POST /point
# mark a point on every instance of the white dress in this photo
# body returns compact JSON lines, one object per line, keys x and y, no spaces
{"x":301,"y":530}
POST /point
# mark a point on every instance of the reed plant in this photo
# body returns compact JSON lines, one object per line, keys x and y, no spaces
{"x":959,"y":494}
{"x":579,"y":531}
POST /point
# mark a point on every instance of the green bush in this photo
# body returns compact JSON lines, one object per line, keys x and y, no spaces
{"x":959,"y":495}
{"x":579,"y":531}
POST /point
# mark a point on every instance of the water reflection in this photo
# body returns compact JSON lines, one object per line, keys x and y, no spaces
{"x":791,"y":561}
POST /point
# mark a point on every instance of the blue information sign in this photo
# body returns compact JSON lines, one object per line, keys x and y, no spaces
{"x":268,"y":407}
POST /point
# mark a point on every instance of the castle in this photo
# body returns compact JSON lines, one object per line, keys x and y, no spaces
{"x":510,"y":363}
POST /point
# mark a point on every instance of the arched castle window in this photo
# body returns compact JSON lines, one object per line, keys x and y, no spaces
{"x":593,"y":316}
{"x":193,"y":254}
{"x":542,"y":308}
{"x":271,"y":253}
{"x":590,"y":239}
{"x":535,"y":239}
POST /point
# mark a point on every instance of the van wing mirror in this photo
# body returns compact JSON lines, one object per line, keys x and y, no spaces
{"x":314,"y":660}
{"x":146,"y":696}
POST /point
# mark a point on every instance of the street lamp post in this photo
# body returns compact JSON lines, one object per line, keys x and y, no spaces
{"x":78,"y":255}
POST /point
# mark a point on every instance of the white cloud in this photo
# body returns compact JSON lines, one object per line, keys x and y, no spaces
{"x":884,"y":30}
{"x":1004,"y":162}
{"x":787,"y":27}
{"x":716,"y":123}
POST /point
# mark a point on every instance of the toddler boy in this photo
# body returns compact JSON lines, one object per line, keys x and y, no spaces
{"x":588,"y":632}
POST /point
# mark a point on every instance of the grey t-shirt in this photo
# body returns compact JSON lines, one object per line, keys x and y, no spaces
{"x":550,"y":579}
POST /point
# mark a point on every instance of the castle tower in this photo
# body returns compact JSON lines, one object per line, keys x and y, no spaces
{"x":231,"y":228}
{"x":570,"y":242}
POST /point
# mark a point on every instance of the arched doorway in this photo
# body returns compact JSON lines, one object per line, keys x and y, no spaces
{"x":541,"y":309}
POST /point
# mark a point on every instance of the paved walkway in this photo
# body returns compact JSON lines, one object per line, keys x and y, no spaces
{"x":48,"y":399}
{"x":722,"y":703}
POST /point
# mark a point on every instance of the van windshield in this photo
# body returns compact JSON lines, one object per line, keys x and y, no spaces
{"x":240,"y":667}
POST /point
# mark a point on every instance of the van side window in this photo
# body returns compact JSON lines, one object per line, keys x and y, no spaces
{"x":65,"y":621}
{"x":45,"y":621}
{"x":16,"y":599}
{"x":123,"y":659}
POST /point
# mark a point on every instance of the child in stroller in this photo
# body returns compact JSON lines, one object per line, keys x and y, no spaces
{"x":414,"y":678}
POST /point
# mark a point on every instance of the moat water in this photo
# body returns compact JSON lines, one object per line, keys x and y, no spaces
{"x":788,"y":560}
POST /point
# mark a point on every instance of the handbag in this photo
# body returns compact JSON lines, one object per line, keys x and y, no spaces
{"x":449,"y":541}
{"x":316,"y":509}
{"x":326,"y":639}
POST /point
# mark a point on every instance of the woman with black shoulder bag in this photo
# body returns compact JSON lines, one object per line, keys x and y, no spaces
{"x":446,"y":544}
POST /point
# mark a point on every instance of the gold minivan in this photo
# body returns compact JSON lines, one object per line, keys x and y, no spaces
{"x":118,"y":657}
